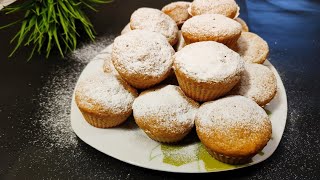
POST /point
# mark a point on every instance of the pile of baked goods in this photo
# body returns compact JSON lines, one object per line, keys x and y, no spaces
{"x":191,"y":64}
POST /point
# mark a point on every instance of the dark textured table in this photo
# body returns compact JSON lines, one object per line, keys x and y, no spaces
{"x":36,"y":141}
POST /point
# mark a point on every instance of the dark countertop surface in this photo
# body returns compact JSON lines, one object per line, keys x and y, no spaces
{"x":36,"y":141}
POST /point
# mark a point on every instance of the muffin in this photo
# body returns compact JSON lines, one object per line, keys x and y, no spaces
{"x":105,"y":56}
{"x":211,"y":27}
{"x":233,"y":129}
{"x":155,"y":20}
{"x":257,"y":83}
{"x":244,"y":25}
{"x":108,"y":66}
{"x":207,"y":70}
{"x":104,"y":99}
{"x":228,"y":8}
{"x":252,"y":48}
{"x":143,"y":58}
{"x":181,"y":42}
{"x":126,"y":29}
{"x":178,"y":11}
{"x":164,"y":113}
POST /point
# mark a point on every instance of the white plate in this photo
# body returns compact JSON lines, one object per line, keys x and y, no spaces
{"x":130,"y":144}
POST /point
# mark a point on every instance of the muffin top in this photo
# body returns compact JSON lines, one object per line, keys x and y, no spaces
{"x":244,"y":25}
{"x":257,"y":83}
{"x":210,"y":25}
{"x":101,"y":92}
{"x":208,"y":61}
{"x":178,"y":11}
{"x":155,"y":20}
{"x":142,"y":53}
{"x":227,"y":8}
{"x":252,"y":48}
{"x":165,"y":108}
{"x":233,"y":126}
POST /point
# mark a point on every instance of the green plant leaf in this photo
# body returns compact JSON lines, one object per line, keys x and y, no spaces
{"x":10,"y":24}
{"x":51,"y":24}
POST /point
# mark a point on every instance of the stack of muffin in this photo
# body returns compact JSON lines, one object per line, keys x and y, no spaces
{"x":194,"y":64}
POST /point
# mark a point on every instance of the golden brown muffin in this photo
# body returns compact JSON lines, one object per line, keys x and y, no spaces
{"x":142,"y":58}
{"x":252,"y":48}
{"x":155,"y":20}
{"x":244,"y":25}
{"x":228,"y":8}
{"x":178,"y":11}
{"x":211,"y":27}
{"x":207,"y":70}
{"x":233,"y":128}
{"x":257,"y":83}
{"x":164,"y":113}
{"x":104,"y":99}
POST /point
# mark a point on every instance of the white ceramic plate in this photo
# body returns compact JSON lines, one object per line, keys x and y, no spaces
{"x":130,"y":144}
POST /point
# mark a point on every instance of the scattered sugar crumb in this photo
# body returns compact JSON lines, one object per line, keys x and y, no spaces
{"x":56,"y":94}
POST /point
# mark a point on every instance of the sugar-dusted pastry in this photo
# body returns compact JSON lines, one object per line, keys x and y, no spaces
{"x":143,"y":58}
{"x":244,"y":25}
{"x":105,"y":55}
{"x":257,"y":83}
{"x":155,"y":20}
{"x":233,"y":128}
{"x":227,"y":8}
{"x":207,"y":70}
{"x":211,"y":27}
{"x":178,"y":11}
{"x":164,"y":113}
{"x":252,"y":48}
{"x":108,"y":66}
{"x":104,"y":99}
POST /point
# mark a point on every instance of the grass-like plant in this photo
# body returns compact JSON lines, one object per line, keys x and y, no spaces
{"x":49,"y":24}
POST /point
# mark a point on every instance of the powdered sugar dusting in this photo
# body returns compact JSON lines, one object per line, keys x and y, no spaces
{"x":108,"y":66}
{"x":105,"y":90}
{"x":142,"y":52}
{"x":88,"y":51}
{"x":232,"y":111}
{"x":257,"y":82}
{"x":211,"y":25}
{"x":252,"y":48}
{"x":225,"y":7}
{"x":56,"y":94}
{"x":178,"y":11}
{"x":172,"y":109}
{"x":208,"y":61}
{"x":155,"y":20}
{"x":105,"y":55}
